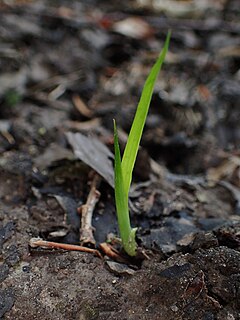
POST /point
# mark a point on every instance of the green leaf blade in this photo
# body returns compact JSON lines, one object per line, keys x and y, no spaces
{"x":121,"y":198}
{"x":131,"y":149}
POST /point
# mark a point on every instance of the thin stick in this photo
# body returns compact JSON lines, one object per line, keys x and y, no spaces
{"x":38,"y":242}
{"x":81,"y":106}
{"x":111,"y":252}
{"x":86,"y":211}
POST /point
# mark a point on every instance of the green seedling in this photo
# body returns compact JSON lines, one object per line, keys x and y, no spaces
{"x":123,"y":168}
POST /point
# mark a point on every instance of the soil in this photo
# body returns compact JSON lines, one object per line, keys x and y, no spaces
{"x":69,"y":68}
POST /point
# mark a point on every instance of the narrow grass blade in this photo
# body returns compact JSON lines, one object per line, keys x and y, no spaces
{"x":135,"y":134}
{"x":121,"y":197}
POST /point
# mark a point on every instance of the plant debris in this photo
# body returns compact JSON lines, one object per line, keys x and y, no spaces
{"x":93,"y":153}
{"x":67,"y":69}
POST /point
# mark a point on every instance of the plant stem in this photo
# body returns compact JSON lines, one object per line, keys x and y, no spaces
{"x":126,"y":232}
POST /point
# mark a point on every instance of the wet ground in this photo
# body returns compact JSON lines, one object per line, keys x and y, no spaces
{"x":68,"y":69}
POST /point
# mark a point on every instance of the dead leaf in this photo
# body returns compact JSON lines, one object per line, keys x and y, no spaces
{"x":52,"y":154}
{"x":94,"y":153}
{"x":119,"y":268}
{"x":133,"y":27}
{"x":229,"y":169}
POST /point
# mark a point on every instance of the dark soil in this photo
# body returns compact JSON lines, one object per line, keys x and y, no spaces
{"x":69,"y":68}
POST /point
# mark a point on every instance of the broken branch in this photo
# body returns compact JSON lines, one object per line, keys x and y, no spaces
{"x":38,"y":242}
{"x":86,"y":211}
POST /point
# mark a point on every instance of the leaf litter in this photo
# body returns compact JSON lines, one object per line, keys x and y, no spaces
{"x":190,"y":226}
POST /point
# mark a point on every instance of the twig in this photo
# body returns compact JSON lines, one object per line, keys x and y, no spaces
{"x":81,"y":106}
{"x":83,"y":126}
{"x":8,"y":137}
{"x":111,"y":252}
{"x":38,"y":242}
{"x":86,"y":211}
